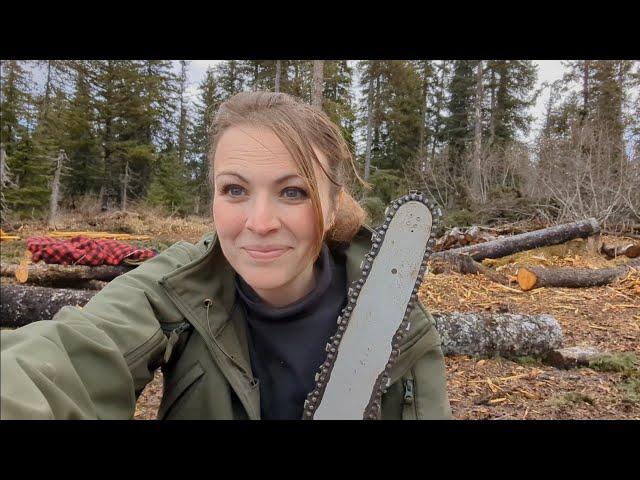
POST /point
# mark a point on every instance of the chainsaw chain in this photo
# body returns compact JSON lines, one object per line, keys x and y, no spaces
{"x":372,"y":410}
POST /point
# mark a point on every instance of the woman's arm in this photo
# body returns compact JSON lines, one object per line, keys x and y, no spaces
{"x":91,"y":362}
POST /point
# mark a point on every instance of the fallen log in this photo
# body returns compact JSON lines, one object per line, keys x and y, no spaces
{"x":571,"y":357}
{"x":527,"y":241}
{"x":21,"y":304}
{"x":630,"y":250}
{"x":51,"y":275}
{"x":466,"y":265}
{"x":504,"y":334}
{"x":531,"y":277}
{"x":461,"y":333}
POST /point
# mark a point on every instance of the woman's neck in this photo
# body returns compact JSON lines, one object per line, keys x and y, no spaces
{"x":290,"y":292}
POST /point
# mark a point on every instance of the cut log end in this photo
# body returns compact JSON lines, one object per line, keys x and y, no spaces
{"x":526,"y":279}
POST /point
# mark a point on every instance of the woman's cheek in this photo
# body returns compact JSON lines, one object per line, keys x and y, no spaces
{"x":300,"y":222}
{"x":228,"y":219}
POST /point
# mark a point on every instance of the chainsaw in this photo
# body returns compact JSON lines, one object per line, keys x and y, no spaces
{"x":356,"y":371}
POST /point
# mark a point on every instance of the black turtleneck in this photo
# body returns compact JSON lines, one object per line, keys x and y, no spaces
{"x":287,"y":344}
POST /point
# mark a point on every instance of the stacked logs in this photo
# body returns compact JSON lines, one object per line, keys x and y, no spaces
{"x":466,"y":259}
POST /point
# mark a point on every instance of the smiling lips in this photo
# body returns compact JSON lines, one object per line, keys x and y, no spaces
{"x":265,"y":253}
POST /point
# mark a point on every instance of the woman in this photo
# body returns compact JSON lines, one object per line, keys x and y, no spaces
{"x":238,"y":322}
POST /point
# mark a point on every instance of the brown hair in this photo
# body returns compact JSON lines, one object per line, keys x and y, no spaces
{"x":301,"y":128}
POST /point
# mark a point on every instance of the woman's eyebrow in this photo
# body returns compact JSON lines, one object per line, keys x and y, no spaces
{"x":282,"y":179}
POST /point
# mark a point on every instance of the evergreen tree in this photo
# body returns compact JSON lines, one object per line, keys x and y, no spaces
{"x":31,"y":172}
{"x":230,"y":78}
{"x":403,"y":117}
{"x":14,"y":104}
{"x":209,"y":100}
{"x":337,"y":101}
{"x":513,"y":88}
{"x":459,"y":125}
{"x":260,"y":74}
{"x":80,"y":139}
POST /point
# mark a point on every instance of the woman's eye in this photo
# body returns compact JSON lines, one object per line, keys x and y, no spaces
{"x":294,"y":193}
{"x":233,"y":190}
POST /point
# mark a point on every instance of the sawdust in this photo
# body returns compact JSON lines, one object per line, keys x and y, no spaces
{"x":606,"y":317}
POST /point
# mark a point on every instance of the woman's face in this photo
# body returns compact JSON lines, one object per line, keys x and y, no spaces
{"x":262,"y":211}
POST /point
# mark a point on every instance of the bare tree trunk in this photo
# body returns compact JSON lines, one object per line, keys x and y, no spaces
{"x":125,"y":187}
{"x":55,"y":189}
{"x":439,"y":106}
{"x":53,"y":275}
{"x":21,"y":305}
{"x":367,"y":155}
{"x":504,"y":334}
{"x":182,"y":122}
{"x":531,"y":277}
{"x":492,"y":123}
{"x":526,"y":241}
{"x":476,"y":179}
{"x":423,"y":112}
{"x":318,"y":77}
{"x":585,"y":92}
{"x":466,"y":265}
{"x":278,"y":74}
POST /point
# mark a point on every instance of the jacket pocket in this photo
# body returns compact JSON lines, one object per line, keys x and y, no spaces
{"x":177,"y":389}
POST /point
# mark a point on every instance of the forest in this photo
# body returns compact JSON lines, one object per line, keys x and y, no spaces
{"x":534,"y":283}
{"x":131,"y":131}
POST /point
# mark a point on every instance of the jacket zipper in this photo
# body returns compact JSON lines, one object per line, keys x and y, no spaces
{"x":409,"y":409}
{"x":408,"y":391}
{"x":174,"y":336}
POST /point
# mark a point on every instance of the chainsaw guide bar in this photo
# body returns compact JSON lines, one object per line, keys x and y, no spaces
{"x":356,"y":372}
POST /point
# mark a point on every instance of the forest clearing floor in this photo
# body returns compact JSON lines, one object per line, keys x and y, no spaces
{"x":606,"y":317}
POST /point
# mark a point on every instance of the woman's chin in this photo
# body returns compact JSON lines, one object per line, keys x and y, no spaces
{"x":263,"y":280}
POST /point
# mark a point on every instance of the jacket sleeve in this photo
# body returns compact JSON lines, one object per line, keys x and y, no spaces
{"x":431,"y":400}
{"x":91,"y":362}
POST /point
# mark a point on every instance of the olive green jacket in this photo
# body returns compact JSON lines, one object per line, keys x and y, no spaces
{"x":93,"y":362}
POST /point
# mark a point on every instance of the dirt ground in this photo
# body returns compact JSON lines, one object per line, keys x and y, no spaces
{"x":606,"y":317}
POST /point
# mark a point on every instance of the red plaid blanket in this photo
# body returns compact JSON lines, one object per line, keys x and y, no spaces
{"x":85,"y":251}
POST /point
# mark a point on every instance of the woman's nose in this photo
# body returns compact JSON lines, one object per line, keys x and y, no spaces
{"x":262,"y":217}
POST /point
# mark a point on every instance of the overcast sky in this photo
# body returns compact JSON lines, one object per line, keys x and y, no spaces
{"x":548,"y":71}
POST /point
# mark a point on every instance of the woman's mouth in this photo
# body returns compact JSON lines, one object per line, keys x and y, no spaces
{"x":263,"y":254}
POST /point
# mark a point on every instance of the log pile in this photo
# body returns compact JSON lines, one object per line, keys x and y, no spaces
{"x":466,"y":260}
{"x":461,"y":333}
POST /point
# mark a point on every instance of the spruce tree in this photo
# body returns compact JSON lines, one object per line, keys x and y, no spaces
{"x":31,"y":171}
{"x":337,"y":98}
{"x":207,"y":104}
